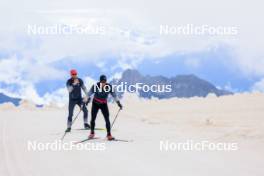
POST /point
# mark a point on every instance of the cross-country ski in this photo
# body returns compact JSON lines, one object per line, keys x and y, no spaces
{"x":88,"y":139}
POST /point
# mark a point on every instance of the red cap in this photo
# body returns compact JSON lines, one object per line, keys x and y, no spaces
{"x":73,"y":72}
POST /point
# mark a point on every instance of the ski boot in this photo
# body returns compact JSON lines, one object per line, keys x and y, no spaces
{"x":87,"y":126}
{"x":91,"y":136}
{"x":68,"y":130}
{"x":110,"y":137}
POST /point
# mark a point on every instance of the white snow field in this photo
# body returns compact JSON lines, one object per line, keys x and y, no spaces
{"x":236,"y":120}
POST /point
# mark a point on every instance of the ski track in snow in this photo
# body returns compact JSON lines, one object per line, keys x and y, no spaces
{"x":11,"y":162}
{"x":6,"y":163}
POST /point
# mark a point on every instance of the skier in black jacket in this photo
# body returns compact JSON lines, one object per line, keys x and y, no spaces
{"x":101,"y":91}
{"x":75,"y":86}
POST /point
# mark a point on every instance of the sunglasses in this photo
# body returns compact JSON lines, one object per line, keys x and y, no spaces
{"x":73,"y":74}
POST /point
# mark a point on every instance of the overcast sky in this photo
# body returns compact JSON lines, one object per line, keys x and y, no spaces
{"x":132,"y":34}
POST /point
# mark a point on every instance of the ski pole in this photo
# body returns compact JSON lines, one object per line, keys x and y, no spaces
{"x":77,"y":114}
{"x":73,"y":121}
{"x":115,"y":118}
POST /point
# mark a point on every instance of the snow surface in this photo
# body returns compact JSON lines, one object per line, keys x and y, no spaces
{"x":238,"y":118}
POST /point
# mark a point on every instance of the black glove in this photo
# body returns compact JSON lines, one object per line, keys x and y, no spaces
{"x":88,"y":101}
{"x":119,"y":105}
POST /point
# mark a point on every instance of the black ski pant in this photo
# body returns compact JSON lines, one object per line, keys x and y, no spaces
{"x":71,"y":106}
{"x":104,"y":109}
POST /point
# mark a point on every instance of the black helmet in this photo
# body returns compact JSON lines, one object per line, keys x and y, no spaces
{"x":103,"y":78}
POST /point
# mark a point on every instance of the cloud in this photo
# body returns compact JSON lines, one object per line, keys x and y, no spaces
{"x":88,"y":81}
{"x":132,"y":36}
{"x":19,"y":76}
{"x":193,"y":62}
{"x":133,"y":31}
{"x":258,"y":86}
{"x":20,"y":70}
{"x":58,"y":97}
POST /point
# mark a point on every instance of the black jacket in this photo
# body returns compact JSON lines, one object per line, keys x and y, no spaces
{"x":75,"y":91}
{"x":102,"y":94}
